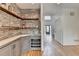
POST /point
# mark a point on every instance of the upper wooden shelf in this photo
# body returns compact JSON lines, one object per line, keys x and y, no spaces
{"x":17,"y":16}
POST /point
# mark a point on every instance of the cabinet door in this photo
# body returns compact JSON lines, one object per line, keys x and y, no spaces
{"x":5,"y":51}
{"x":16,"y":49}
{"x":25,"y":44}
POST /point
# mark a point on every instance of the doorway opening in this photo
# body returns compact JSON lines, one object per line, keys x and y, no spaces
{"x":47,"y":29}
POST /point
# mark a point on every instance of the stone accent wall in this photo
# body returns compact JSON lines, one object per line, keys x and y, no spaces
{"x":32,"y":27}
{"x":7,"y":21}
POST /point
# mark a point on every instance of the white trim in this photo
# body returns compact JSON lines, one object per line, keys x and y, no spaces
{"x":42,"y":28}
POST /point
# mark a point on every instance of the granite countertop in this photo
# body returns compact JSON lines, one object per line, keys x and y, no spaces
{"x":8,"y":40}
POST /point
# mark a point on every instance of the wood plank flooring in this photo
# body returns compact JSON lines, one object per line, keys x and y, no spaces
{"x":53,"y":48}
{"x":33,"y":53}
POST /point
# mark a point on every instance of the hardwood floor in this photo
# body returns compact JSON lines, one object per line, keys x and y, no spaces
{"x":53,"y":48}
{"x":33,"y":53}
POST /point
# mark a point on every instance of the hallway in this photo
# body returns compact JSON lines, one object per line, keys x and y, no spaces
{"x":49,"y":47}
{"x":53,"y":48}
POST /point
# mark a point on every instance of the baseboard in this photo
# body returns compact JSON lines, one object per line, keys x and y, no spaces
{"x":58,"y":43}
{"x":71,"y":44}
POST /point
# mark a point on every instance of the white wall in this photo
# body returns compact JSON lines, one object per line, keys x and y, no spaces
{"x":66,"y":26}
{"x":58,"y":30}
{"x":70,"y":26}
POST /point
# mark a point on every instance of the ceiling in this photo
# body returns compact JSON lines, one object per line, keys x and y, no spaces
{"x":37,"y":5}
{"x":56,"y":9}
{"x":70,"y":5}
{"x":28,"y":5}
{"x":49,"y":8}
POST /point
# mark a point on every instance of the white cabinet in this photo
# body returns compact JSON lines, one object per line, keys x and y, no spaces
{"x":16,"y":48}
{"x":5,"y":51}
{"x":13,"y":49}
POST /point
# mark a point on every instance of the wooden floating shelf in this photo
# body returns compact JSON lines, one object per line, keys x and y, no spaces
{"x":9,"y":28}
{"x":15,"y":28}
{"x":17,"y":16}
{"x":29,"y":28}
{"x":30,"y":19}
{"x":9,"y":12}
